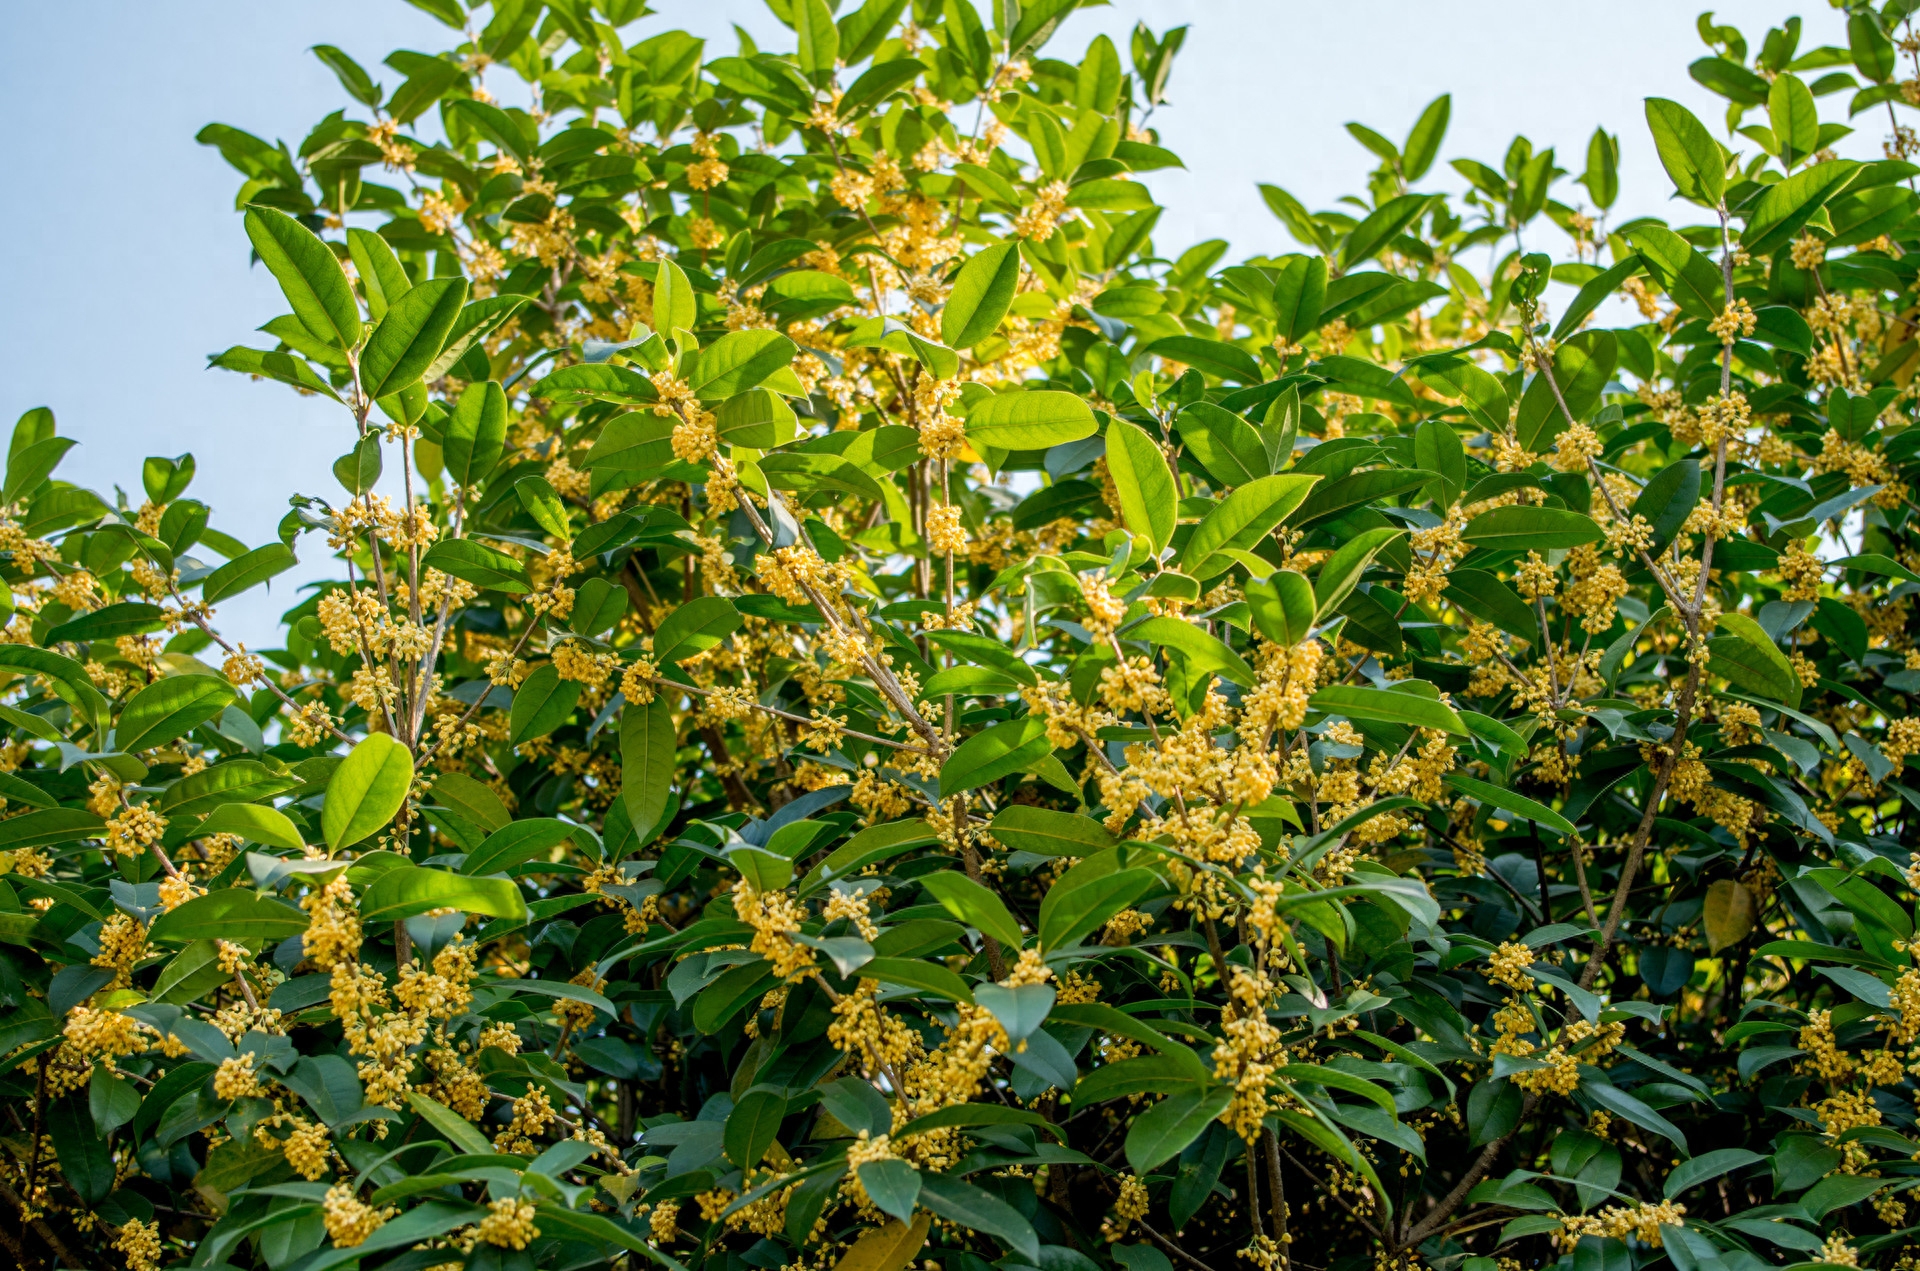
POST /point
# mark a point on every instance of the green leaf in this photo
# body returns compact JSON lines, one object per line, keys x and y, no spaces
{"x":358,"y":470}
{"x":414,"y":889}
{"x":965,"y":1114}
{"x":1629,"y":1108}
{"x":1335,"y":1079}
{"x":1683,"y":273}
{"x":1872,"y":51}
{"x":309,"y":274}
{"x":494,"y":124}
{"x":541,"y":704}
{"x":48,"y":826}
{"x":543,"y":504}
{"x":353,"y":77}
{"x":648,"y":739}
{"x":877,"y":83}
{"x":918,"y":973}
{"x":771,"y":83}
{"x":233,"y":913}
{"x":988,"y":184}
{"x":766,"y":871}
{"x":998,"y":751}
{"x":740,"y":360}
{"x":1356,"y":489}
{"x":1582,"y":366}
{"x":254,"y":823}
{"x":128,"y":618}
{"x":68,"y":678}
{"x":1388,"y":706}
{"x":1068,"y":915}
{"x":1667,"y":500}
{"x":892,"y":1185}
{"x":1343,"y":570}
{"x":598,"y":606}
{"x":1707,"y":1166}
{"x":976,"y":1210}
{"x":819,"y":39}
{"x":170,"y":708}
{"x":1507,"y":801}
{"x":1213,"y":357}
{"x":22,"y":791}
{"x":1163,"y":1131}
{"x":1483,"y":395}
{"x":471,"y":799}
{"x":365,"y":790}
{"x":730,"y":994}
{"x":1423,"y":142}
{"x":1692,"y":158}
{"x":247,"y":572}
{"x":478,"y":320}
{"x":1482,"y":595}
{"x":458,"y":1130}
{"x":1786,"y":206}
{"x":759,"y":419}
{"x":1283,"y":606}
{"x":1108,"y":1019}
{"x":673,"y":304}
{"x":382,"y":278}
{"x":974,"y":905}
{"x":476,"y":434}
{"x":284,"y":367}
{"x":1203,"y":652}
{"x":112,"y":1101}
{"x":1520,"y":529}
{"x":429,"y":80}
{"x":1299,"y":293}
{"x":1437,"y":448}
{"x":1593,"y":292}
{"x":84,"y":1159}
{"x":1045,"y":832}
{"x":478,"y":564}
{"x":1035,"y":419}
{"x":753,"y":1125}
{"x":410,"y":336}
{"x":1874,"y":563}
{"x":30,"y":466}
{"x":1148,"y":500}
{"x":1748,"y":657}
{"x":1225,"y":444}
{"x":694,"y":628}
{"x":982,"y":293}
{"x":193,"y":973}
{"x":1380,"y":227}
{"x":604,"y":382}
{"x":812,"y":472}
{"x":1242,"y":519}
{"x":1794,"y":116}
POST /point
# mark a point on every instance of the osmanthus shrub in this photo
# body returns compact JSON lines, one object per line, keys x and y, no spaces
{"x":869,"y":711}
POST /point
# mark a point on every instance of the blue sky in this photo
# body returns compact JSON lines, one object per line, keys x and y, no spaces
{"x":127,"y":265}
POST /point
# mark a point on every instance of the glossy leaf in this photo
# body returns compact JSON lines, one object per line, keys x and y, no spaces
{"x":366,"y":790}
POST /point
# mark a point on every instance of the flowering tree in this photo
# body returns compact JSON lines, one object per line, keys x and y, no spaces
{"x":872,"y":712}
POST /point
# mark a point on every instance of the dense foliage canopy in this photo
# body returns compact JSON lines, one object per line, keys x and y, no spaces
{"x":870,"y":711}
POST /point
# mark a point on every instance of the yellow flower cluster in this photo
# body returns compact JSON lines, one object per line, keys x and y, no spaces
{"x":508,"y":1224}
{"x":348,"y":1219}
{"x":1641,"y":1222}
{"x":135,"y":830}
{"x":1508,"y":965}
{"x":774,"y":917}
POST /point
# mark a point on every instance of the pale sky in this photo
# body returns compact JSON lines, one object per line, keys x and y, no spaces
{"x":130,"y":265}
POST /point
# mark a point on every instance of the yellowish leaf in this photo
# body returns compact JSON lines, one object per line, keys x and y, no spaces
{"x":888,"y":1248}
{"x":1729,"y":914}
